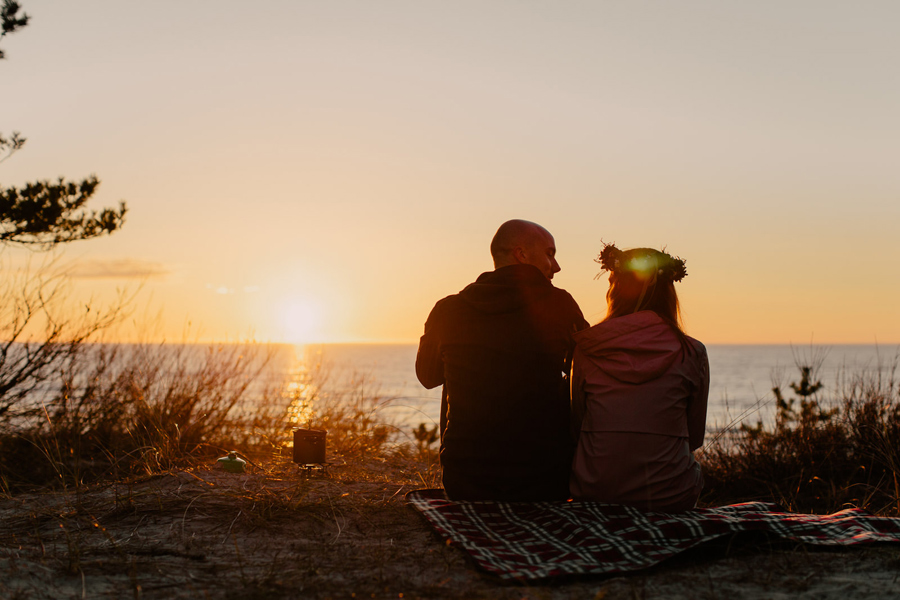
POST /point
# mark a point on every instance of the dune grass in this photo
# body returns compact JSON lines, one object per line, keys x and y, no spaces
{"x":109,"y":412}
{"x":112,"y":488}
{"x":112,"y":412}
{"x":825,"y":451}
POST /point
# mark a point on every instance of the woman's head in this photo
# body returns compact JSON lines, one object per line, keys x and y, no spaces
{"x":642,"y":279}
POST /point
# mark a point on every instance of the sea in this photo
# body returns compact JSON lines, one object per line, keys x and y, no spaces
{"x":741,"y":376}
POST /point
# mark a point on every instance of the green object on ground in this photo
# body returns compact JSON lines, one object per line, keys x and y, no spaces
{"x":232,"y":463}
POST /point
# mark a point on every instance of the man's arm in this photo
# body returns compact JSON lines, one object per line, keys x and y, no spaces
{"x":429,"y":362}
{"x":580,"y":321}
{"x":576,"y":322}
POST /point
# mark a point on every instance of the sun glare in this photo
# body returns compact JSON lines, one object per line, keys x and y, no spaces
{"x":300,"y":321}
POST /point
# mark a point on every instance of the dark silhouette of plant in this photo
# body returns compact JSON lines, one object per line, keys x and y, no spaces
{"x":41,"y":330}
{"x":807,"y":393}
{"x":425,"y":437}
{"x":831,"y":453}
{"x":786,"y":416}
{"x":111,"y":410}
{"x":11,"y":20}
{"x":9,"y":146}
{"x":43,"y":214}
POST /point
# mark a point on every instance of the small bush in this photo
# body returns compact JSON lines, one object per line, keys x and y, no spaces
{"x":351,"y":411}
{"x":115,"y":410}
{"x":821,"y":455}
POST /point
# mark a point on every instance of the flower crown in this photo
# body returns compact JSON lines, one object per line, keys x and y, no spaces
{"x":667,"y":266}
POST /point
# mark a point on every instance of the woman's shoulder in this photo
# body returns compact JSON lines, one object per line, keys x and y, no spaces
{"x":697,"y":350}
{"x":696,"y":345}
{"x":698,"y":358}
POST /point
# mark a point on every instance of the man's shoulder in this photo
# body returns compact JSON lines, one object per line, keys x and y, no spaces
{"x":445,"y":306}
{"x":447,"y":302}
{"x":567,"y":303}
{"x":563,"y":295}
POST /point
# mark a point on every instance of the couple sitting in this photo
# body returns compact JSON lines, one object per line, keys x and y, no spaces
{"x":537,"y":405}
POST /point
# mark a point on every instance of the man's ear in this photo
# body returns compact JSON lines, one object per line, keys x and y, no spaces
{"x":519,"y":255}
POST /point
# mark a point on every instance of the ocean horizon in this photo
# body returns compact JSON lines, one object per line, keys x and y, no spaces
{"x":741,"y":375}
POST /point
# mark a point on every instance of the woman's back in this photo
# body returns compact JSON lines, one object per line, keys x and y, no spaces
{"x":639,"y":394}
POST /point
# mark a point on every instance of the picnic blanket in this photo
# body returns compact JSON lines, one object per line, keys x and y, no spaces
{"x":528,"y":541}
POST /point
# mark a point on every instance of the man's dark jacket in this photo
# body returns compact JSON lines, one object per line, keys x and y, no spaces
{"x":502,"y":349}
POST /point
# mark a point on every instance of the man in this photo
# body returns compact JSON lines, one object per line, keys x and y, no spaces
{"x":502,"y":348}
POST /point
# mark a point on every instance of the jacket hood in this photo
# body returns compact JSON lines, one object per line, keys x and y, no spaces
{"x":506,"y":289}
{"x":632,"y":349}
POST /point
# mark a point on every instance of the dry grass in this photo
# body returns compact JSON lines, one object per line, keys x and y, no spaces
{"x":111,"y":411}
{"x":351,"y":409}
{"x":279,"y":532}
{"x":198,"y":531}
{"x":823,"y":454}
{"x":120,"y":411}
{"x":163,"y":522}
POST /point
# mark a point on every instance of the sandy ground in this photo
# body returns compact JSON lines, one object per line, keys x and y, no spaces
{"x":344,"y":533}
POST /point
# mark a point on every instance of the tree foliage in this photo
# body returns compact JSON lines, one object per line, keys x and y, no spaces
{"x":42,"y":213}
{"x":11,"y":20}
{"x":46,"y":213}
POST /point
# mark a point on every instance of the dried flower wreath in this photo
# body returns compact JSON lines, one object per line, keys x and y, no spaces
{"x":668,"y":266}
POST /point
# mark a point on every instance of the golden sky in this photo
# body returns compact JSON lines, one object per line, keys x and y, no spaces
{"x":326,"y":171}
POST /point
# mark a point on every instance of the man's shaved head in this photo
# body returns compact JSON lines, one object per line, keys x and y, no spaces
{"x":524,"y":242}
{"x":511,"y":234}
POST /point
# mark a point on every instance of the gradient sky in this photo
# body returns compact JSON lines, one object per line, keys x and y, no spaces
{"x":326,"y":171}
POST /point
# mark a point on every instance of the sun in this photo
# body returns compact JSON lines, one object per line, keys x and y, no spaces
{"x":300,"y":321}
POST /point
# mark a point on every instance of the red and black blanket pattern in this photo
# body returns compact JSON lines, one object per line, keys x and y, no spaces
{"x":531,"y":541}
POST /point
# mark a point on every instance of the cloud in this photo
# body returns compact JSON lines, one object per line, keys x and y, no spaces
{"x":119,"y":268}
{"x":224,"y":289}
{"x":220,"y":289}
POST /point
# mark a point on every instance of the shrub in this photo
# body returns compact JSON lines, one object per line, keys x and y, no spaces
{"x":350,"y":409}
{"x":122,"y":409}
{"x":821,"y":458}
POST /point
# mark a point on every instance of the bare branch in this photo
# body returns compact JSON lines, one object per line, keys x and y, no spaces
{"x":10,"y":145}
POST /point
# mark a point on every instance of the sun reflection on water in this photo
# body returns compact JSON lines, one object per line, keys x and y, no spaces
{"x":301,"y":391}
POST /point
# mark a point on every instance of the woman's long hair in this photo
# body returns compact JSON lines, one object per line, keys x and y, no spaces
{"x":642,"y":283}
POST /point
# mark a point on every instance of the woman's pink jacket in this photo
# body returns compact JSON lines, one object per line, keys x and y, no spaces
{"x":639,"y":396}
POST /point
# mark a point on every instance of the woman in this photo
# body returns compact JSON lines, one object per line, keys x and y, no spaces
{"x":639,"y":390}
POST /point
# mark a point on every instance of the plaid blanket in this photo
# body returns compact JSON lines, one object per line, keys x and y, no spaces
{"x":531,"y":541}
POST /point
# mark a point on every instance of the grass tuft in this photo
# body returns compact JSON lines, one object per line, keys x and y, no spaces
{"x":821,"y":455}
{"x":112,"y":411}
